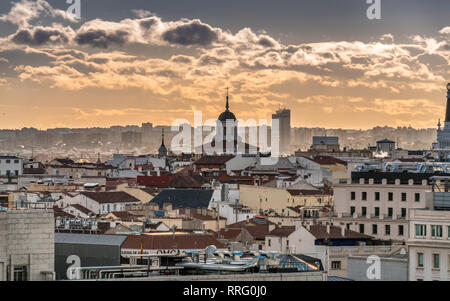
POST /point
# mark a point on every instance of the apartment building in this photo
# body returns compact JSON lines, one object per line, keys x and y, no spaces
{"x":429,"y":245}
{"x":11,"y":166}
{"x":377,"y":203}
{"x":429,"y":238}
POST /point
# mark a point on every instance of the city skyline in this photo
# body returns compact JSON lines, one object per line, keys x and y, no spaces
{"x":142,"y":61}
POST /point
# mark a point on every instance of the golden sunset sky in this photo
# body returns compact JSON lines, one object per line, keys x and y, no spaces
{"x":136,"y":61}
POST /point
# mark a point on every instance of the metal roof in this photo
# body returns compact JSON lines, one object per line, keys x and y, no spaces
{"x":184,"y":198}
{"x":89,"y":239}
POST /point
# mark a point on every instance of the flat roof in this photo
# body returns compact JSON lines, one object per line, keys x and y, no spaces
{"x":89,"y":239}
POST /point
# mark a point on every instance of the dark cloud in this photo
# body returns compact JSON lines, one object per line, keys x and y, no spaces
{"x":147,"y":23}
{"x":83,"y":67}
{"x":39,"y":36}
{"x":181,"y":59}
{"x":69,"y":53}
{"x":266,"y":42}
{"x":99,"y":60}
{"x":194,"y":33}
{"x":210,"y":60}
{"x":101,"y":39}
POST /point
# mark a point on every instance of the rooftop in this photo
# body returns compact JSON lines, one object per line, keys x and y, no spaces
{"x":111,"y":197}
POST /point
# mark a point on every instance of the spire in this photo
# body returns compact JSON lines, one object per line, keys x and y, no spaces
{"x":162,"y":138}
{"x":447,"y":113}
{"x":227,"y":105}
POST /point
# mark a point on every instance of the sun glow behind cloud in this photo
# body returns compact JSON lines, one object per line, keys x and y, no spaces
{"x":87,"y":74}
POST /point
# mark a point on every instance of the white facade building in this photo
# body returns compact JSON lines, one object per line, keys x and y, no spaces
{"x":11,"y":165}
{"x":99,"y":202}
{"x":429,"y":245}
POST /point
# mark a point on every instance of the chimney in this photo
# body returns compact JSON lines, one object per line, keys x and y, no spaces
{"x":328,"y":229}
{"x":343,"y":231}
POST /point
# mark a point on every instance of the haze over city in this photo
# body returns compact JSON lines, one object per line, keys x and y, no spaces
{"x":157,"y":61}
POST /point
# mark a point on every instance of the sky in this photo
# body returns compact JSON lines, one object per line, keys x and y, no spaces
{"x":135,"y":61}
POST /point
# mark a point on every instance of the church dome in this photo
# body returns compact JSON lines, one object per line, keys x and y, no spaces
{"x":227,"y":114}
{"x":162,"y":149}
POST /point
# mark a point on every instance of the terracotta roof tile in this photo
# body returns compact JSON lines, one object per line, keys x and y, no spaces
{"x":283,"y":231}
{"x":81,"y":208}
{"x":320,"y":232}
{"x":111,"y":197}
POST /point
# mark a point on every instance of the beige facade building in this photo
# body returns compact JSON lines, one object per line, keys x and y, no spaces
{"x":378,"y":203}
{"x":27,"y":245}
{"x":259,"y":198}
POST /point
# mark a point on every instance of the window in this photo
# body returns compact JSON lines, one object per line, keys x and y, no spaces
{"x":403,"y":196}
{"x":403,"y":212}
{"x":377,"y":211}
{"x":335,"y":265}
{"x":20,"y":273}
{"x":352,"y":210}
{"x":390,"y":196}
{"x":400,"y":230}
{"x":269,"y":243}
{"x":374,"y":229}
{"x":421,"y":230}
{"x":435,"y":261}
{"x":287,"y":243}
{"x":436,"y":231}
{"x":420,"y":260}
{"x":364,"y":196}
{"x":387,"y":229}
{"x":348,"y":226}
{"x":361,"y":228}
{"x":377,"y":196}
{"x":364,"y":211}
{"x":417,"y":197}
{"x":352,"y":195}
{"x":8,"y":161}
{"x":390,"y":211}
{"x":16,"y":161}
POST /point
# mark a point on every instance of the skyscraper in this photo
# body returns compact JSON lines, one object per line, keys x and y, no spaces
{"x":284,"y":118}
